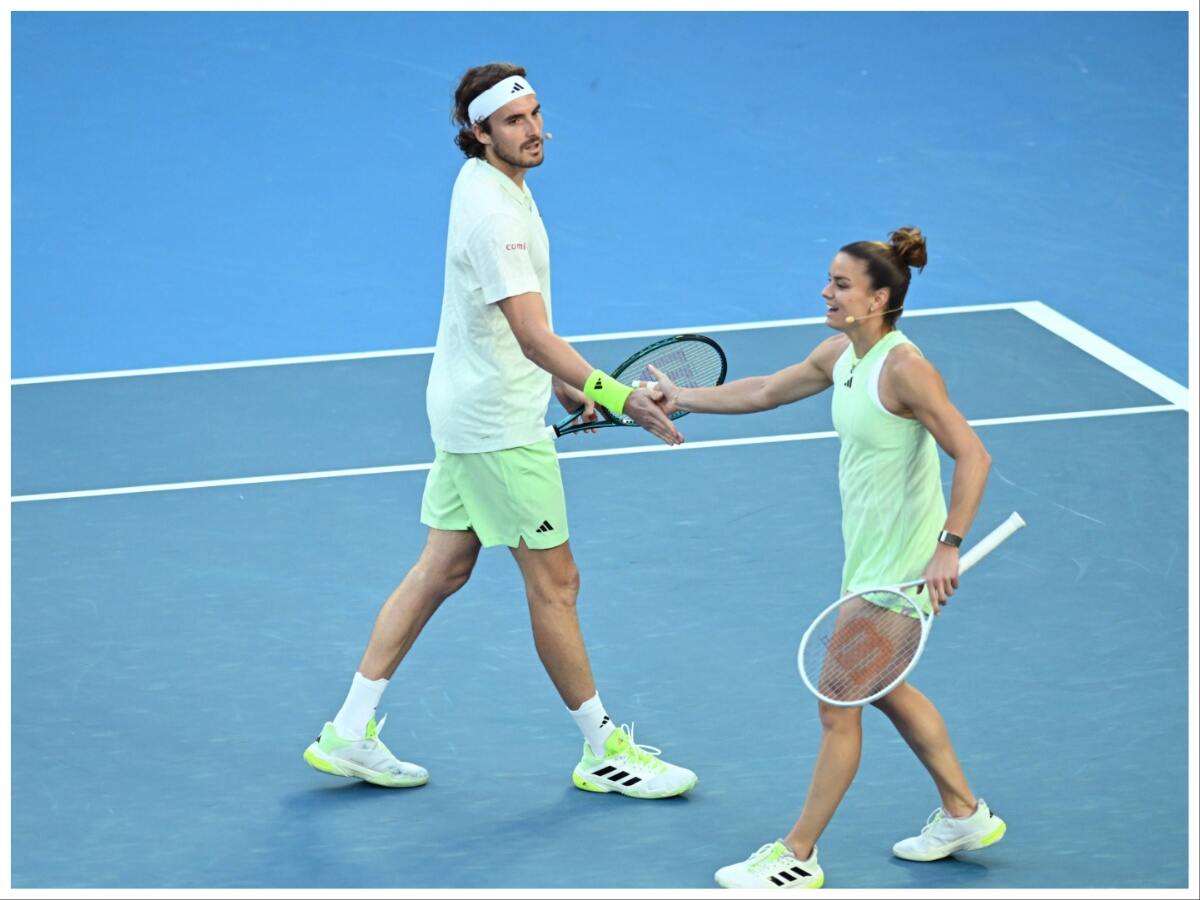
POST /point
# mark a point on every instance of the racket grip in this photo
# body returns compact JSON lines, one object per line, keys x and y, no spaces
{"x":990,"y":542}
{"x":555,"y":431}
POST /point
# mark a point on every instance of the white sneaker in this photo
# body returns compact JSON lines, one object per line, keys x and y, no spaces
{"x":630,"y":769}
{"x":368,"y":759}
{"x":943,"y":835}
{"x":773,"y":866}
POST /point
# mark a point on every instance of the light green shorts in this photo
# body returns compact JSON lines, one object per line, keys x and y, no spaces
{"x":503,"y":496}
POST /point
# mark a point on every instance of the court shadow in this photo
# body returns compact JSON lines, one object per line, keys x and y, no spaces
{"x":957,"y":871}
{"x":324,"y":836}
{"x":341,"y":789}
{"x":573,"y":810}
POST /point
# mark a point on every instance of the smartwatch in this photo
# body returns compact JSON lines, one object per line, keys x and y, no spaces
{"x":950,"y":539}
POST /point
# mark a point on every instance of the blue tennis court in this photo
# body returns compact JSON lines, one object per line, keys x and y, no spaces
{"x":227,"y":260}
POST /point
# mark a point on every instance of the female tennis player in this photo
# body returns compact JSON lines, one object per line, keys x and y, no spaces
{"x":889,"y":408}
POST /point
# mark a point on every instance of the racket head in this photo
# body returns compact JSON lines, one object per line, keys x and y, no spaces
{"x":862,"y":646}
{"x":690,"y":360}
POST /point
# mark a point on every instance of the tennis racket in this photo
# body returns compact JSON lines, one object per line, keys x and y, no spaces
{"x":865,"y":643}
{"x":689,"y":360}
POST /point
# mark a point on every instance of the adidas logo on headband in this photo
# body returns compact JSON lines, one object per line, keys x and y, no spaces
{"x":496,"y":96}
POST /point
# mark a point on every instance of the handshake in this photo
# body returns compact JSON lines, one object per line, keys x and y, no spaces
{"x":654,"y":415}
{"x":694,"y":361}
{"x":647,"y":406}
{"x":661,"y":389}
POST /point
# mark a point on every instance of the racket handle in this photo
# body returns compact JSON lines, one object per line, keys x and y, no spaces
{"x":555,"y":431}
{"x":990,"y":542}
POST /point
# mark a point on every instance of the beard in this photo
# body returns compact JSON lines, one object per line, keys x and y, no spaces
{"x":524,"y":159}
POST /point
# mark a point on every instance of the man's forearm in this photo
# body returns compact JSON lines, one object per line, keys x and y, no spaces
{"x":548,"y":351}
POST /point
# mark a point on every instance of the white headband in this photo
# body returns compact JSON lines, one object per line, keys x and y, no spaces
{"x":496,"y":96}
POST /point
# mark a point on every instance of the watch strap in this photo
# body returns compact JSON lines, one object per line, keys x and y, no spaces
{"x":950,"y":539}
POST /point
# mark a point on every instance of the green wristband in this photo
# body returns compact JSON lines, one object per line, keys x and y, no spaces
{"x":607,"y":391}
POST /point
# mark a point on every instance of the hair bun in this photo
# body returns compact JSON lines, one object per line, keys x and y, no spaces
{"x":908,"y":244}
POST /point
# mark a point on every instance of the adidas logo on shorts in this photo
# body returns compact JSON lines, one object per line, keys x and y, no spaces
{"x":544,"y":527}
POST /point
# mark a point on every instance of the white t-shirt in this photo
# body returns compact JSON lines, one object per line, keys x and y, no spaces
{"x":483,"y":394}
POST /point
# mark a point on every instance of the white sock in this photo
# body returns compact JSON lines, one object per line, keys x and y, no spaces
{"x":351,"y":721}
{"x":594,"y":722}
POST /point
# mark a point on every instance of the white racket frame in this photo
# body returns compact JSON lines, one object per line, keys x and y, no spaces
{"x":985,"y":546}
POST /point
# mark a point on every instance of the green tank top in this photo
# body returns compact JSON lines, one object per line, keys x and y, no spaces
{"x":889,"y":473}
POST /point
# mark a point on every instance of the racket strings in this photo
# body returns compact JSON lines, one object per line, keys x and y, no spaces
{"x":864,"y":646}
{"x":688,"y":363}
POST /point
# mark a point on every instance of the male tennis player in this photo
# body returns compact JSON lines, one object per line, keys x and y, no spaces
{"x":889,"y":407}
{"x":495,"y":480}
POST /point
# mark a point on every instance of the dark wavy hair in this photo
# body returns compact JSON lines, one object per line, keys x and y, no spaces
{"x":890,"y":265}
{"x":473,"y":83}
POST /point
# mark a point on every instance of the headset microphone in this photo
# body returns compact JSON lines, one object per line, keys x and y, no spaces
{"x":850,"y":320}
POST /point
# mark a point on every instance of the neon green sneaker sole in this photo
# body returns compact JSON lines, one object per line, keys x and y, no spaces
{"x":321,"y":765}
{"x":993,"y":837}
{"x":585,"y":785}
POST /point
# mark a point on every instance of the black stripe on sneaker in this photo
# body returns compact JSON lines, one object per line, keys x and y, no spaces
{"x":799,"y":871}
{"x":788,"y":875}
{"x":632,"y":781}
{"x":618,"y":776}
{"x":776,"y":881}
{"x":603,"y":771}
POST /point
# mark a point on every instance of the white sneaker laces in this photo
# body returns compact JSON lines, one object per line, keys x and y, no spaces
{"x":643,"y":753}
{"x":934,"y":817}
{"x":757,"y":857}
{"x":378,"y":746}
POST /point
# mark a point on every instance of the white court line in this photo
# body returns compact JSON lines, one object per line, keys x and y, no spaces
{"x":1110,"y":354}
{"x":418,"y":351}
{"x":573,"y":454}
